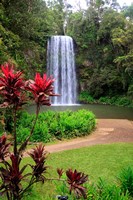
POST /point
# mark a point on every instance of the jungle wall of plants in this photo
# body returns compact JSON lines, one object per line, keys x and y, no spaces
{"x":102,"y":35}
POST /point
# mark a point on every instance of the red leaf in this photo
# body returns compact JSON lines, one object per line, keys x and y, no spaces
{"x":76,"y":180}
{"x":42,"y":89}
{"x":11,"y":85}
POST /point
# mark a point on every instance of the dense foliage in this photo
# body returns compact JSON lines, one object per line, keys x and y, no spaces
{"x":53,"y":125}
{"x":104,"y":49}
{"x":102,"y":33}
{"x":103,"y":190}
{"x":117,"y":100}
{"x":14,"y":91}
{"x":122,"y":190}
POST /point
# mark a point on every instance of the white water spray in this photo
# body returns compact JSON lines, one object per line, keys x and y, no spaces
{"x":61,"y":65}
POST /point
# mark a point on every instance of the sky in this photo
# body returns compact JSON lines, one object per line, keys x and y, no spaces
{"x":128,"y":2}
{"x":82,"y":2}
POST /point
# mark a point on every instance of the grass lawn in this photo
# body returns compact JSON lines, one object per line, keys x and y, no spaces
{"x":105,"y":161}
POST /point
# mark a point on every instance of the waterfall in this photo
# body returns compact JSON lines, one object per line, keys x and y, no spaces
{"x":61,"y":65}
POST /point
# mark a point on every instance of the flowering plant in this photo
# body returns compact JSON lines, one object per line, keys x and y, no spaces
{"x":13,"y":89}
{"x":74,"y":181}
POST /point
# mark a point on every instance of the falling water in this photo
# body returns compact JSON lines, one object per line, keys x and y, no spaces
{"x":61,"y":65}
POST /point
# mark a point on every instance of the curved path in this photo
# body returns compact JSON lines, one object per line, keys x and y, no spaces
{"x":107,"y":131}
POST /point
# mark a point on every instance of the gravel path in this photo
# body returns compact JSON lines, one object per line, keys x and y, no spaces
{"x":107,"y":131}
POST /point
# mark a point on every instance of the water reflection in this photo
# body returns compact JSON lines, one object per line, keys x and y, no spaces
{"x":101,"y":111}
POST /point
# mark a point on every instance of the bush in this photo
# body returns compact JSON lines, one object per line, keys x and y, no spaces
{"x":85,"y":97}
{"x":123,"y":101}
{"x":126,"y":180}
{"x":104,"y":191}
{"x":104,"y":100}
{"x":98,"y":191}
{"x":57,"y":125}
{"x":118,"y":101}
{"x":41,"y":133}
{"x":23,"y":133}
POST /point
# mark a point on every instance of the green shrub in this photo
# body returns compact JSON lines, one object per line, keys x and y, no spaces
{"x":85,"y":97}
{"x":104,"y":100}
{"x":23,"y":133}
{"x":113,"y":100}
{"x":123,"y":101}
{"x":104,"y":191}
{"x":118,"y":101}
{"x":98,"y":191}
{"x":126,"y":180}
{"x":41,"y":133}
{"x":57,"y":125}
{"x":25,"y":120}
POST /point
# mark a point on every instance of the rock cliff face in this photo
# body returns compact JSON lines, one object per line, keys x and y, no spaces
{"x":84,"y":72}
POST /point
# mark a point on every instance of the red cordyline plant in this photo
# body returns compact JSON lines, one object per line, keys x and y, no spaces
{"x":13,"y":89}
{"x":75,"y":181}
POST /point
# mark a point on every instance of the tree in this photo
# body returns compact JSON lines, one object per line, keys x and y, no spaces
{"x":24,"y":33}
{"x":128,"y":11}
{"x":123,"y":41}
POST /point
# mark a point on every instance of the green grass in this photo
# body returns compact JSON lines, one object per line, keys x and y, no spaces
{"x":105,"y":161}
{"x":97,"y":161}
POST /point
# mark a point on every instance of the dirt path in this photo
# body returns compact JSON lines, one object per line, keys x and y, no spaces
{"x":107,"y":131}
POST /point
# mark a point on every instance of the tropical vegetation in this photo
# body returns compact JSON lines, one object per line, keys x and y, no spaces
{"x":102,"y":35}
{"x":15,"y":92}
{"x":103,"y":43}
